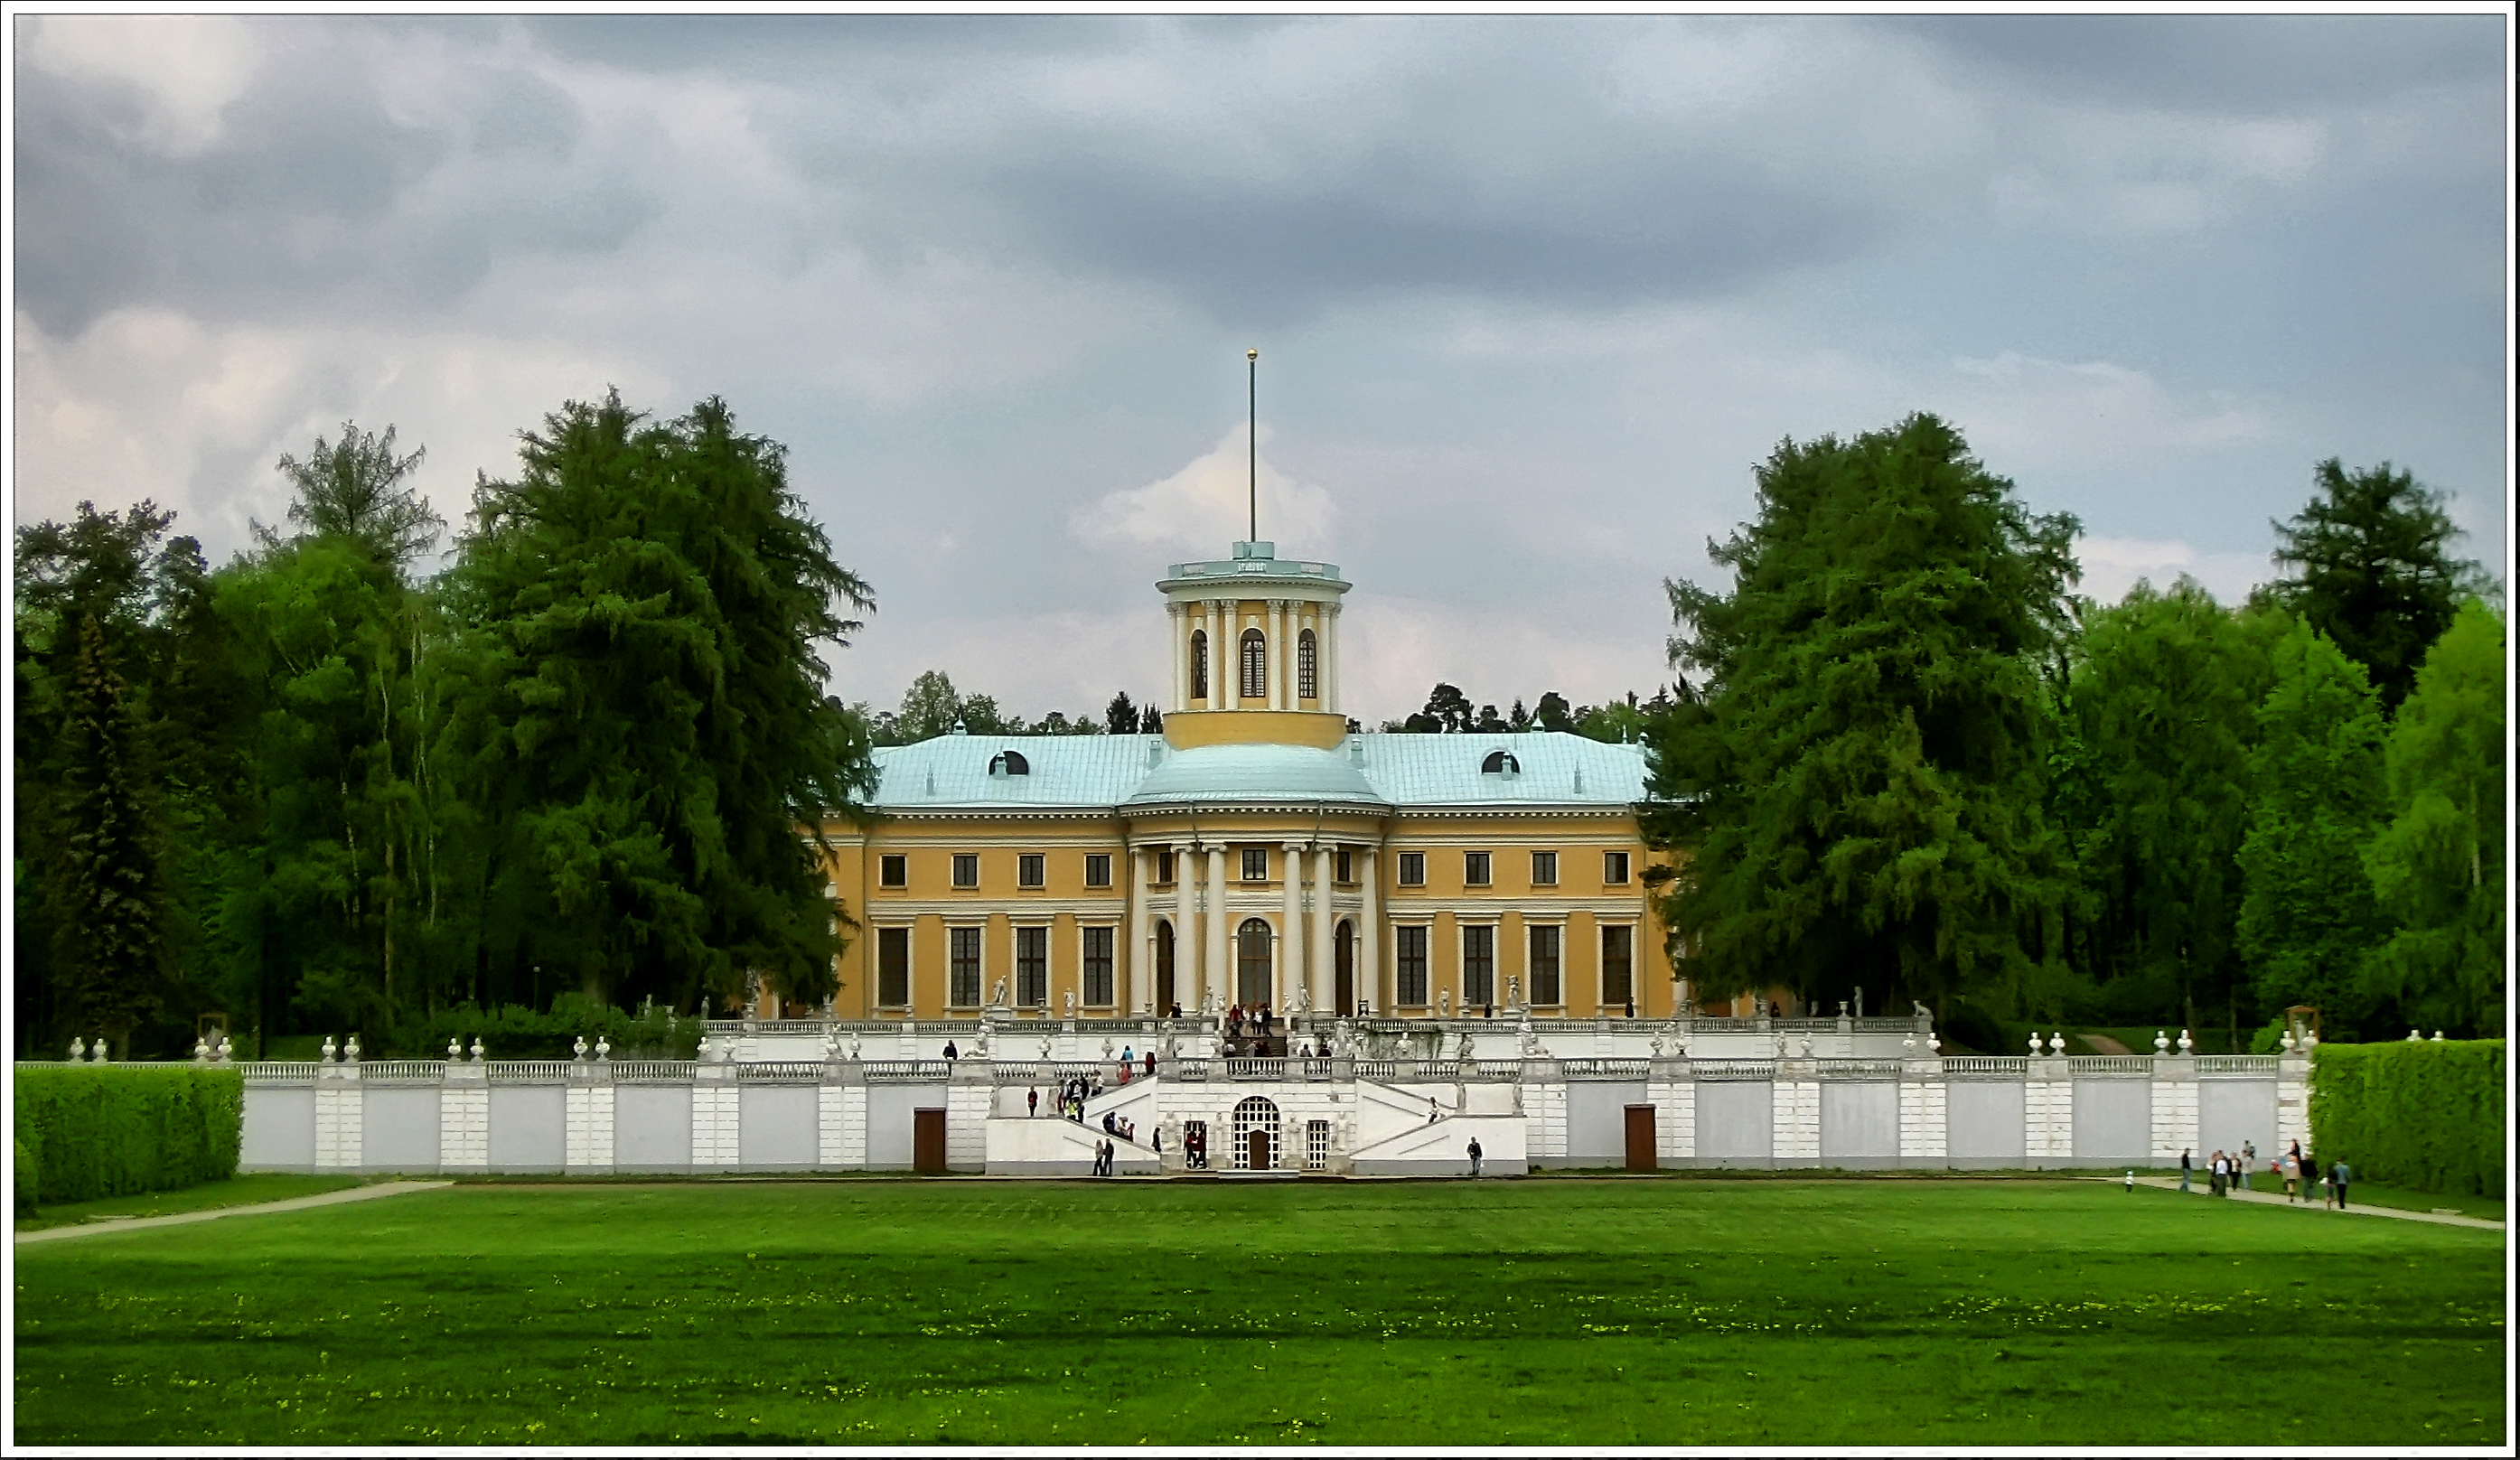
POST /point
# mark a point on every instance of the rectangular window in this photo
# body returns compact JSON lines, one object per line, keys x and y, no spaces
{"x":1618,"y":986}
{"x":1544,"y":870}
{"x":893,"y":967}
{"x":894,"y":870}
{"x":1412,"y":969}
{"x":964,"y":993}
{"x":1255,"y":864}
{"x":1412,"y":868}
{"x":1544,"y":965}
{"x":1164,"y":867}
{"x":1478,"y":966}
{"x":1316,"y":1145}
{"x":1032,"y":967}
{"x":1614,"y":868}
{"x":1028,"y":869}
{"x":967,"y":869}
{"x":1098,"y":967}
{"x":1098,"y":871}
{"x":1474,"y":869}
{"x":1346,"y":871}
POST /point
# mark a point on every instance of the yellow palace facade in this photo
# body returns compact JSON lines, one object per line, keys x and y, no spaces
{"x":1256,"y":854}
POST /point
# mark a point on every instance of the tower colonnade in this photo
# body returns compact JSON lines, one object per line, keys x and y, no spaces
{"x":1205,"y":909}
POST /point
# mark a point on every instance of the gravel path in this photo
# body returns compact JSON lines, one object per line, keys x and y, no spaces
{"x":293,"y":1204}
{"x":2275,"y":1199}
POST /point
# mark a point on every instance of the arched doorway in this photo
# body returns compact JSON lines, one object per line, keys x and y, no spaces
{"x":1251,"y":965}
{"x":1163,"y":968}
{"x":1255,"y":1136}
{"x":1343,"y":969}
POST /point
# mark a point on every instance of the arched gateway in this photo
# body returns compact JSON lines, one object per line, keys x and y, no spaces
{"x":1256,"y":1147}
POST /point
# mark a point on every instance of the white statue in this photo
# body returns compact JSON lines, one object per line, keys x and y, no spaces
{"x":2034,"y":1043}
{"x":1303,"y":1000}
{"x":1530,"y":1040}
{"x":853,"y":1047}
{"x":201,"y":1051}
{"x":1444,"y":1005}
{"x":454,"y":1050}
{"x":1107,"y":1050}
{"x":2187,"y":1046}
{"x":1044,"y":1046}
{"x":998,"y":994}
{"x":1466,"y":1048}
{"x":603,"y":1048}
{"x":1657,"y":1046}
{"x":581,"y":1047}
{"x":1069,"y":1000}
{"x":79,"y":1049}
{"x":2160,"y":1042}
{"x":330,"y":1053}
{"x":1807,"y":1046}
{"x":1780,"y":1046}
{"x":1514,"y":991}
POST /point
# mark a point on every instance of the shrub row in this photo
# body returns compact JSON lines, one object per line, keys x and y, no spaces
{"x":99,"y":1130}
{"x":2412,"y":1114}
{"x":515,"y":1031}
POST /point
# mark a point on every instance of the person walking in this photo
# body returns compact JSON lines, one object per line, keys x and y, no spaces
{"x":949,"y":1053}
{"x":1430,"y":1110}
{"x":2291,"y":1167}
{"x":2187,"y":1169}
{"x":2248,"y":1158}
{"x":1474,"y":1157}
{"x":1033,"y":1102}
{"x":2339,"y":1176}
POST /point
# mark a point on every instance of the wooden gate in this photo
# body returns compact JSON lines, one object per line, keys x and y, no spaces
{"x":928,"y":1141}
{"x":1260,"y":1152}
{"x":1640,"y":1139}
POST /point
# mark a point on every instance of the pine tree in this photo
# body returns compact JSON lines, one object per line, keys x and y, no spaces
{"x":2375,"y":574}
{"x":1855,"y":796}
{"x":108,"y":892}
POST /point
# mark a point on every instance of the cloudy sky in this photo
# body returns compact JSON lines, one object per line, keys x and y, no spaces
{"x":1532,"y":295}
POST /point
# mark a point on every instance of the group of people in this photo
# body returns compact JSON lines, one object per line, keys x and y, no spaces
{"x":1103,"y":1152}
{"x":1194,"y":1146}
{"x":2225,"y":1172}
{"x":1069,"y":1103}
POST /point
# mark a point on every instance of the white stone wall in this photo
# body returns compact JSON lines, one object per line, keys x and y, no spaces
{"x":716,"y":1125}
{"x":2047,"y":1114}
{"x":2292,"y":1105}
{"x":966,"y":1125}
{"x":1795,"y":1133}
{"x":339,"y":1141}
{"x":1675,"y":1104}
{"x":463,"y":1125}
{"x":590,"y":1127}
{"x":2174,"y":1120}
{"x":1924,"y":1118}
{"x":843,"y":1126}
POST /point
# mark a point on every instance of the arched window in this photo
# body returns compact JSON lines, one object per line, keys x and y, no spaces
{"x":1255,"y":1134}
{"x":1252,"y":981}
{"x":1010,"y":762}
{"x":1499,"y":763}
{"x":1255,"y":664}
{"x":1164,"y":990}
{"x":1307,"y":671}
{"x":1198,"y":664}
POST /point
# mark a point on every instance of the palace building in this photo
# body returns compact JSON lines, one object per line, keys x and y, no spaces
{"x":1259,"y":851}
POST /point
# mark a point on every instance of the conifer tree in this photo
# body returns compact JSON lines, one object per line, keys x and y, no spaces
{"x":107,"y":892}
{"x":1854,"y":796}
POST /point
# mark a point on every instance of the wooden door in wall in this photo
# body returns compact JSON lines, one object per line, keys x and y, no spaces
{"x":1260,"y":1152}
{"x":1640,"y":1139}
{"x":928,"y":1141}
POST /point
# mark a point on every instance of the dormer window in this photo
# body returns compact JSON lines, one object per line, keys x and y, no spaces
{"x":1499,"y":762}
{"x":1007,"y":762}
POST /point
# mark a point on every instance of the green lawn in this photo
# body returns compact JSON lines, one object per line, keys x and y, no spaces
{"x":240,"y":1191}
{"x":1510,"y":1312}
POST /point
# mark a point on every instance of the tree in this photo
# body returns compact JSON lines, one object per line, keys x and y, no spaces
{"x":929,"y":708}
{"x":1120,"y":717}
{"x":1151,"y":720}
{"x":107,"y":882}
{"x":2156,"y":714}
{"x":2440,"y":865}
{"x":2317,"y":792}
{"x":355,"y":491}
{"x":1855,"y":797}
{"x":2375,"y":571}
{"x":1552,"y":713}
{"x":643,"y":708}
{"x":1448,"y":712}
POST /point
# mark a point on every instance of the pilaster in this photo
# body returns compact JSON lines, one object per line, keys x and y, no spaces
{"x":339,"y":1134}
{"x":2175,"y":1123}
{"x":464,"y":1118}
{"x":1794,"y":1106}
{"x":589,"y":1141}
{"x":1924,"y":1114}
{"x":1671,"y":1089}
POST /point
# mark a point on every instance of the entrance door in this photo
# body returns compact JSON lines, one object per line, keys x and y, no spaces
{"x":1343,"y":964}
{"x":1640,"y":1139}
{"x":1251,"y":980}
{"x":1260,"y":1152}
{"x":928,"y":1141}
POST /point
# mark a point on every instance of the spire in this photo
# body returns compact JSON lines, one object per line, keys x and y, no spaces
{"x":1253,"y":356}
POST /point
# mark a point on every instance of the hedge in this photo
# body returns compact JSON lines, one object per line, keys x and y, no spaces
{"x":2415,"y":1114}
{"x":100,"y":1131}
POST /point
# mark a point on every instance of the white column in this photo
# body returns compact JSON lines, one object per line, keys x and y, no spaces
{"x":1327,"y":668}
{"x":1134,"y":966}
{"x":1369,"y":934}
{"x":1220,"y":961}
{"x":1325,"y":975}
{"x":1178,"y":619}
{"x":1290,"y":939}
{"x":1227,"y":643}
{"x":1185,"y":926}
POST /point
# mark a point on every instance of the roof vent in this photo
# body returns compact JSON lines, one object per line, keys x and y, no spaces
{"x":1007,"y":762}
{"x":1501,"y":763}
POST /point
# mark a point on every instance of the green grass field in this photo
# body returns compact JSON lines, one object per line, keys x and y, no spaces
{"x":1827,"y":1312}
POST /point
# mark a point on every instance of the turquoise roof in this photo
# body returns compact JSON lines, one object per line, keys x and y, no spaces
{"x":1108,"y":772}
